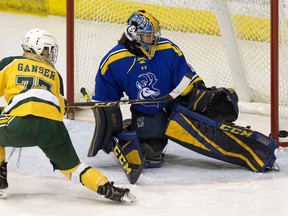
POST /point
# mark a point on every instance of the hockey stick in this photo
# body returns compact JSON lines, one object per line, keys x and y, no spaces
{"x":172,"y":95}
{"x":132,"y":172}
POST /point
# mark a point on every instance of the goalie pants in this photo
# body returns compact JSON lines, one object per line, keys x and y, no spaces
{"x":50,"y":136}
{"x":147,"y":126}
{"x":151,"y":133}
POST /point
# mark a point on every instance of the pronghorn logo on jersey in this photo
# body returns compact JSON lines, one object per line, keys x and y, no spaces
{"x":146,"y":88}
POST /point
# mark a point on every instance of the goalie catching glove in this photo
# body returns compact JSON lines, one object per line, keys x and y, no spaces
{"x":220,"y":104}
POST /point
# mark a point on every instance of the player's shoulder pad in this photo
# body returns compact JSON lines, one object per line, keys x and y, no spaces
{"x":165,"y":44}
{"x":6,"y":61}
{"x":119,"y":52}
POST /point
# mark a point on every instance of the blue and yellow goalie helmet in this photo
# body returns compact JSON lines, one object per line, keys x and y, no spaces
{"x":144,"y":29}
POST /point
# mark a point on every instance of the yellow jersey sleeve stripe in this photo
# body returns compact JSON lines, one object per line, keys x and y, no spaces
{"x":114,"y":57}
{"x":164,"y":46}
{"x":191,"y":86}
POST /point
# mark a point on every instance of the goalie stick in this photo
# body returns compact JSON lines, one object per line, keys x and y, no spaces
{"x":132,"y":172}
{"x":172,"y":95}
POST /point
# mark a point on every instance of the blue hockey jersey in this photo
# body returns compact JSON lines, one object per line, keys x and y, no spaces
{"x":139,"y":77}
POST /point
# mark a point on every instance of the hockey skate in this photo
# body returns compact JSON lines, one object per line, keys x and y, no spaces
{"x":153,"y":157}
{"x":116,"y":194}
{"x":3,"y":181}
{"x":274,"y":167}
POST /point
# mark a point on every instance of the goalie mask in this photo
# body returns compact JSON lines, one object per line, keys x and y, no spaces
{"x":41,"y":42}
{"x":144,"y":29}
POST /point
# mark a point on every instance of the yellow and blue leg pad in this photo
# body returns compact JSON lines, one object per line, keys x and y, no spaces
{"x":127,"y":149}
{"x":130,"y":145}
{"x":224,"y":141}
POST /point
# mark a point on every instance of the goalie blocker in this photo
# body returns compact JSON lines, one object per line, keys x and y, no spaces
{"x":224,"y":141}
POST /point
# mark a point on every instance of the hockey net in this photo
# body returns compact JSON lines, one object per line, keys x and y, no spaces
{"x":226,"y":41}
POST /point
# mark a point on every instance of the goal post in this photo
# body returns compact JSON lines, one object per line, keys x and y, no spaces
{"x":70,"y":56}
{"x":230,"y":43}
{"x":274,"y":50}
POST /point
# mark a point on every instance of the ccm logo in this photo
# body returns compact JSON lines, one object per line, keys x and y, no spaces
{"x":235,"y":130}
{"x":122,"y":159}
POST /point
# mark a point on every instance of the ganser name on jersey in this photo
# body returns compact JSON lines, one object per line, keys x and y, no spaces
{"x":36,"y":69}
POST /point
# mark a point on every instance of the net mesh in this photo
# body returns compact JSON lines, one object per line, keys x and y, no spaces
{"x":211,"y":33}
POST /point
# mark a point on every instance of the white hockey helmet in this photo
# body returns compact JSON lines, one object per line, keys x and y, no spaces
{"x":37,"y":40}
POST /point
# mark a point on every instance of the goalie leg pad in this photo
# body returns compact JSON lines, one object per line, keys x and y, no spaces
{"x":127,"y":150}
{"x":223,"y":141}
{"x":108,"y":122}
{"x":130,"y":145}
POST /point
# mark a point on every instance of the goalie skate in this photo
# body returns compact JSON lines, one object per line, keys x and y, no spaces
{"x":3,"y":194}
{"x":274,"y":167}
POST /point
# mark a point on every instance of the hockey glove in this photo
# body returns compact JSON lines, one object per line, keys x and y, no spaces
{"x":220,"y":104}
{"x":116,"y":194}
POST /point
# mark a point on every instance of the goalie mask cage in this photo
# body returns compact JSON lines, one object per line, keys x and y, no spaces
{"x":231,"y":43}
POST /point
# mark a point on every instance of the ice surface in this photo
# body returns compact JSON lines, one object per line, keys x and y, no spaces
{"x":187,"y":183}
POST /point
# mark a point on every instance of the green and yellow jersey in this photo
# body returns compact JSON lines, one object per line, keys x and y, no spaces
{"x":32,"y":86}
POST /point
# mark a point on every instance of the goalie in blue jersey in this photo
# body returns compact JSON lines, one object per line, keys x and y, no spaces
{"x":144,"y":65}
